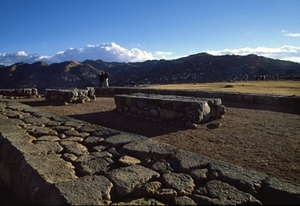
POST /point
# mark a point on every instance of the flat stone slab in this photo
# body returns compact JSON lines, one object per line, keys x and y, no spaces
{"x":170,"y":109}
{"x":210,"y":101}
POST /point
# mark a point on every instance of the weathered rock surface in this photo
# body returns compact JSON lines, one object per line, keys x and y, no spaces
{"x":19,"y":92}
{"x":181,"y":111}
{"x":60,"y":160}
{"x":70,"y":95}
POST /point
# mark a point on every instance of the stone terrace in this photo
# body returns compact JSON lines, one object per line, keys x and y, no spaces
{"x":50,"y":159}
{"x":181,"y":111}
{"x":267,"y":100}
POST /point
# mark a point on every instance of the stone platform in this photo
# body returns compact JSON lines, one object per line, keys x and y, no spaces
{"x":48,"y":159}
{"x":70,"y":95}
{"x":292,"y":102}
{"x":175,"y":110}
{"x":19,"y":92}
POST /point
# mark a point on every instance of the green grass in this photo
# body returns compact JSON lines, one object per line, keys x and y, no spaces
{"x":281,"y":87}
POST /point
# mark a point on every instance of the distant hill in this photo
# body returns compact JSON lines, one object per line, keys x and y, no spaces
{"x":200,"y":67}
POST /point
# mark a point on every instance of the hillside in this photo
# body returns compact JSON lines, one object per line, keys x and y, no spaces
{"x":197,"y":68}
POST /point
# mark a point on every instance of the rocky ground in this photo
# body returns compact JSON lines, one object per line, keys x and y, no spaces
{"x":265,"y":139}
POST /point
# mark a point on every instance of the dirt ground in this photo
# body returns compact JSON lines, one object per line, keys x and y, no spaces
{"x":265,"y":139}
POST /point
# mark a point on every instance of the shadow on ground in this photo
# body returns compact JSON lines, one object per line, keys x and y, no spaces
{"x":119,"y":121}
{"x":40,"y":103}
{"x":7,"y":197}
{"x":115,"y":120}
{"x":282,"y":109}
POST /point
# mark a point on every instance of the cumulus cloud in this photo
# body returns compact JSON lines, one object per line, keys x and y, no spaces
{"x":286,"y":52}
{"x":162,"y":54}
{"x":109,"y":52}
{"x":20,"y":56}
{"x":112,"y":52}
{"x":21,"y":53}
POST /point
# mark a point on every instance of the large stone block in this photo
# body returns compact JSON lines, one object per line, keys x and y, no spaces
{"x":171,"y":107}
{"x":70,"y":95}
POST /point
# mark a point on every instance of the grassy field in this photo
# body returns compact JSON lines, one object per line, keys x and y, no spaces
{"x":281,"y":87}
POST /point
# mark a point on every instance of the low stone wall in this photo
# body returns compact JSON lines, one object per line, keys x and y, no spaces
{"x":21,"y":92}
{"x":70,"y":95}
{"x":48,"y":159}
{"x":272,"y":100}
{"x":181,"y":111}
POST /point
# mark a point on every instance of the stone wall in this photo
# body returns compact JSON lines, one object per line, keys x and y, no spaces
{"x":19,"y":92}
{"x":271,"y":100}
{"x":70,"y":95}
{"x":48,"y":159}
{"x":181,"y":111}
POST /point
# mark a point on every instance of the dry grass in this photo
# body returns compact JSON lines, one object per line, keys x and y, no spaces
{"x":282,"y":87}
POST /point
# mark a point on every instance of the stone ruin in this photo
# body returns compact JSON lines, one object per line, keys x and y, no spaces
{"x":19,"y":92}
{"x":70,"y":95}
{"x":49,"y":159}
{"x":52,"y":95}
{"x":181,"y":111}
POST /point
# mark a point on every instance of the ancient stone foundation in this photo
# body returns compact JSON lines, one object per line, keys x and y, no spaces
{"x":175,"y":110}
{"x":268,"y":100}
{"x":21,"y":92}
{"x":70,"y":95}
{"x":48,"y":159}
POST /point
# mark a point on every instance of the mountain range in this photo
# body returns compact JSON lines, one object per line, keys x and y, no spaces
{"x":195,"y":68}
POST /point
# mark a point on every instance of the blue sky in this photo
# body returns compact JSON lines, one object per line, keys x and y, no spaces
{"x":138,"y":30}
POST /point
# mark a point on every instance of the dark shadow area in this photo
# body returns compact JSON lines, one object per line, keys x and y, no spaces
{"x":41,"y":103}
{"x":37,"y":103}
{"x":283,"y":109}
{"x":119,"y":121}
{"x":7,"y":197}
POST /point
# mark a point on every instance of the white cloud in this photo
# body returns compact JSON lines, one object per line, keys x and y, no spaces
{"x":107,"y":52}
{"x":112,"y":52}
{"x":162,"y":54}
{"x":293,"y":59}
{"x":21,"y":56}
{"x":297,"y":35}
{"x":285,"y":52}
{"x":21,"y":53}
{"x":285,"y":33}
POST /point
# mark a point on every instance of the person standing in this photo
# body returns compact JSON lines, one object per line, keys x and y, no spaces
{"x":105,"y":79}
{"x":101,"y":79}
{"x":246,"y":77}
